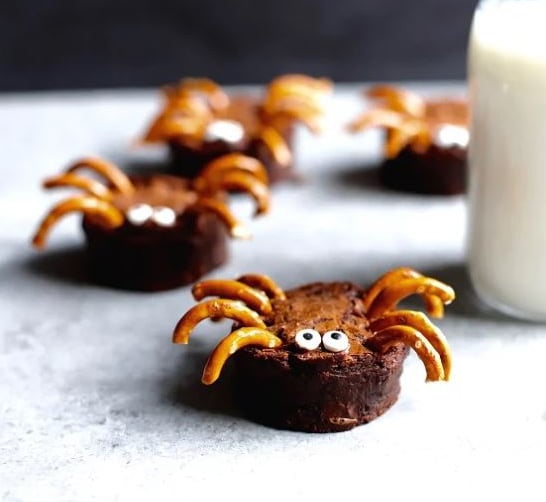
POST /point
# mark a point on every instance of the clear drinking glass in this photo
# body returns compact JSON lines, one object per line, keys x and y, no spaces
{"x":507,"y":156}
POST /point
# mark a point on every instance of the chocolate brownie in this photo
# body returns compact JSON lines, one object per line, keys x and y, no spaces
{"x":324,"y":357}
{"x":156,"y":232}
{"x":151,"y":256}
{"x":436,"y":171}
{"x":234,"y":129}
{"x":200,"y":121}
{"x":425,"y":139}
{"x":441,"y":168}
{"x":317,"y":390}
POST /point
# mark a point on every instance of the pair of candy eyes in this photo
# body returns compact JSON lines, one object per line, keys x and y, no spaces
{"x":332,"y":341}
{"x":161,"y":215}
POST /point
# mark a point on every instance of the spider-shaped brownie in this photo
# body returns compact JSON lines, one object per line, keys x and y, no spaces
{"x":200,"y":121}
{"x":156,"y":232}
{"x":426,"y":140}
{"x":321,"y":357}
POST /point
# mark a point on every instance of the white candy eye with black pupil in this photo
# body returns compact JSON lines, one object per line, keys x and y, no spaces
{"x":229,"y":131}
{"x":308,"y":339}
{"x":452,"y":135}
{"x":163,"y":216}
{"x":335,"y":341}
{"x":139,"y":214}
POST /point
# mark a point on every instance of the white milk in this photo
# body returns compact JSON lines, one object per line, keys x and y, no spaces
{"x":507,"y":193}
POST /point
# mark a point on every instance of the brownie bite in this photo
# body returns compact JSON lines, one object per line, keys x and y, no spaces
{"x":235,"y":128}
{"x":425,"y":140}
{"x":324,"y":357}
{"x":156,"y":232}
{"x":438,"y":170}
{"x":317,"y":390}
{"x":200,"y":121}
{"x":164,"y":242}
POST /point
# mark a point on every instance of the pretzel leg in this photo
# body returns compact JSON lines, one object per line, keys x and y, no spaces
{"x":171,"y":126}
{"x":409,"y":336}
{"x":186,"y":104}
{"x":391,"y":295}
{"x":397,"y":140}
{"x":421,"y":323}
{"x":231,"y":344}
{"x":296,"y":98}
{"x":265,"y":284}
{"x":293,"y":101}
{"x":246,"y":182}
{"x":233,"y":290}
{"x":234,"y":162}
{"x":300,"y":111}
{"x":89,"y":185}
{"x":276,"y":145}
{"x":433,"y":304}
{"x":411,"y":132}
{"x":309,"y":97}
{"x":216,"y":309}
{"x":301,"y":81}
{"x":391,"y":277}
{"x":107,"y":170}
{"x":235,"y":227}
{"x":399,"y":100}
{"x":216,"y":97}
{"x":86,"y":204}
{"x":422,"y":139}
{"x":377,"y":118}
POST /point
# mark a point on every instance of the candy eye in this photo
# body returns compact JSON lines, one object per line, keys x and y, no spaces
{"x":308,"y":339}
{"x":335,"y":341}
{"x":452,"y":135}
{"x":164,"y":216}
{"x":139,"y":214}
{"x":229,"y":131}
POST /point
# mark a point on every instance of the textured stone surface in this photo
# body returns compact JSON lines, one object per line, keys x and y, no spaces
{"x":97,"y":404}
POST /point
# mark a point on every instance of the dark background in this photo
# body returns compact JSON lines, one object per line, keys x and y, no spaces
{"x":63,"y":44}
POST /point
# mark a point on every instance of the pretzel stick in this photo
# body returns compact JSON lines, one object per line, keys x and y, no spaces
{"x":312,"y":99}
{"x":168,"y":127}
{"x":234,"y":162}
{"x":216,"y":97}
{"x":399,"y":100}
{"x":216,"y":309}
{"x":391,"y":277}
{"x":233,"y":290}
{"x":409,"y":336}
{"x":397,"y":140}
{"x":231,"y":344}
{"x":89,"y":185}
{"x":109,"y":214}
{"x":420,"y":322}
{"x":299,"y":111}
{"x":240,"y":181}
{"x":377,"y":118}
{"x":276,"y":145}
{"x":264,"y":283}
{"x":235,"y":227}
{"x":300,"y":80}
{"x":433,"y":304}
{"x":391,"y":295}
{"x":107,"y":170}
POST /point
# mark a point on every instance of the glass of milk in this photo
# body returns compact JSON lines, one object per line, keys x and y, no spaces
{"x":507,"y":156}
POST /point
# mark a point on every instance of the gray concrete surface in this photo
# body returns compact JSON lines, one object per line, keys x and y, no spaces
{"x":97,"y":404}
